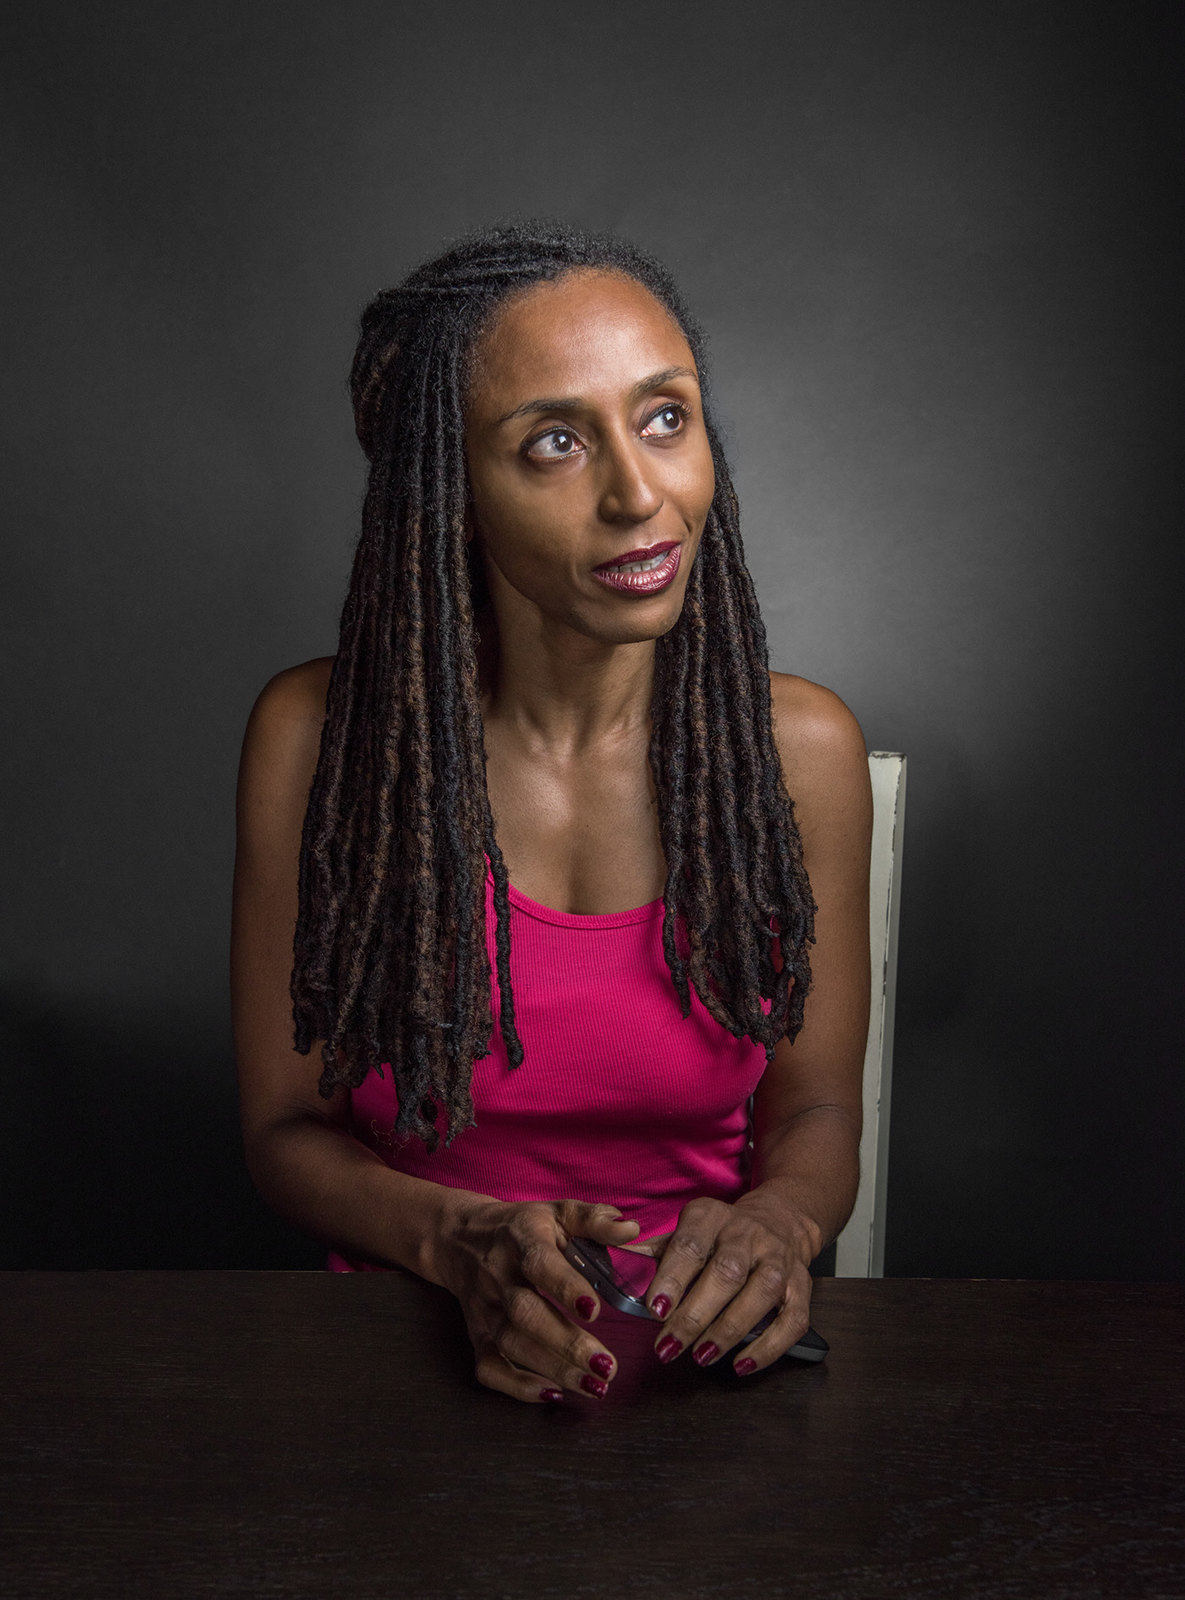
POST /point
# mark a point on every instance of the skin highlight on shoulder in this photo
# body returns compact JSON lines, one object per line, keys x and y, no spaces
{"x":300,"y":691}
{"x":282,"y":743}
{"x":810,"y":722}
{"x":821,"y":747}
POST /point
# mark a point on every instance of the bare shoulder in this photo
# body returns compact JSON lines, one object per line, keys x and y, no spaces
{"x":291,"y":706}
{"x":822,"y":750}
{"x":279,"y":761}
{"x":283,"y":737}
{"x":812,"y":724}
{"x":297,"y":694}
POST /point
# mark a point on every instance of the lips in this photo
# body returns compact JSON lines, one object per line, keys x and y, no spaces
{"x":641,"y":571}
{"x":632,"y":556}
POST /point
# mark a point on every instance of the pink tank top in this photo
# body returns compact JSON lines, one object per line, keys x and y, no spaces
{"x":618,"y":1099}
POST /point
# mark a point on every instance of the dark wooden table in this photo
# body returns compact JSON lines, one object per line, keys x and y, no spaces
{"x":307,"y":1434}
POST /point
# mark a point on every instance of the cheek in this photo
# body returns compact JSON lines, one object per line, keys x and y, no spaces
{"x":484,"y":497}
{"x":519,"y":532}
{"x":496,"y":509}
{"x":699,"y":485}
{"x":526,"y":520}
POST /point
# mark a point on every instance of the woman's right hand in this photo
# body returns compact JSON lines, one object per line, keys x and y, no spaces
{"x":500,"y":1261}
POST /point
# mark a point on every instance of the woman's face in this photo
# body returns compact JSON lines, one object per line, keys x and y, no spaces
{"x":585,"y":442}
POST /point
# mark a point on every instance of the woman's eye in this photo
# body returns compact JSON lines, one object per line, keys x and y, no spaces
{"x":666,"y":421}
{"x":556,"y":444}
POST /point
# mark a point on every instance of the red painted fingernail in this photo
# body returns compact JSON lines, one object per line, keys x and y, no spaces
{"x":586,"y":1307}
{"x":667,"y":1348}
{"x":745,"y":1366}
{"x":551,"y":1394}
{"x":595,"y":1386}
{"x":706,"y":1352}
{"x":661,"y":1306}
{"x":601,"y":1364}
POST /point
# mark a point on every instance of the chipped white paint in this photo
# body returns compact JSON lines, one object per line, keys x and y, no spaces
{"x":860,"y":1248}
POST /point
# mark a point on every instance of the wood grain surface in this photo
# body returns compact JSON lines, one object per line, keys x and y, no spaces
{"x":311,"y":1434}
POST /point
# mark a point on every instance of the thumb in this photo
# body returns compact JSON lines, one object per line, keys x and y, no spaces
{"x":650,"y":1247}
{"x":601,"y":1222}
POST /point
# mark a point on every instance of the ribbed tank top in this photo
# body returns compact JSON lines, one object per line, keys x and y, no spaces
{"x":619,"y":1098}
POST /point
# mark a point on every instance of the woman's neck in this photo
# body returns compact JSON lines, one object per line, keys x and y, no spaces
{"x":556,"y":690}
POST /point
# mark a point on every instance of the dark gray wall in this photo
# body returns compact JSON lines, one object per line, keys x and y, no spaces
{"x":936,"y":246}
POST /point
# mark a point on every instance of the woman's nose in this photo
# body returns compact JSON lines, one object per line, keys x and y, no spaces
{"x":628,"y":494}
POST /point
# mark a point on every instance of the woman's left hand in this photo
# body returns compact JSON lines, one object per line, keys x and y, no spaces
{"x":722,"y":1269}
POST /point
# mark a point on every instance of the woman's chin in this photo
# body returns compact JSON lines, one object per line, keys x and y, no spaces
{"x":636,"y":620}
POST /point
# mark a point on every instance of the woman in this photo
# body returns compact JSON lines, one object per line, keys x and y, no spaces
{"x":553,"y":919}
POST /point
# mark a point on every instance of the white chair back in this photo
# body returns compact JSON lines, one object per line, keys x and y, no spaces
{"x":860,"y":1248}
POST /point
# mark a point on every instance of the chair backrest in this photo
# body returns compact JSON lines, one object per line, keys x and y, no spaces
{"x":860,"y":1248}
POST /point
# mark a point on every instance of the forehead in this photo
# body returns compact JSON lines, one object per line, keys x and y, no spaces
{"x":585,"y":334}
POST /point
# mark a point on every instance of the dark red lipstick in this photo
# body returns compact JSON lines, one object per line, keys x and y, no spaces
{"x":642,"y":571}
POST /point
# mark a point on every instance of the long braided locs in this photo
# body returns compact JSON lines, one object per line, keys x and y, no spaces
{"x":390,"y":951}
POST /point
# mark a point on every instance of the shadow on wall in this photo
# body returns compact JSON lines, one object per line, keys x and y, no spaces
{"x":1036,"y":1103}
{"x":123,"y":1148}
{"x":936,"y":989}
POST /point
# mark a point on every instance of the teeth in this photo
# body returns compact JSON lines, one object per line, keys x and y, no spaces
{"x":645,"y":566}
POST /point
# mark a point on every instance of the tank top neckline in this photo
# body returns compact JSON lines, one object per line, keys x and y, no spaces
{"x":589,"y":921}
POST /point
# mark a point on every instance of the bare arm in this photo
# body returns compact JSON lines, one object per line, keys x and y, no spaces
{"x":725,"y":1266}
{"x":808,"y":1106}
{"x":301,"y":1150}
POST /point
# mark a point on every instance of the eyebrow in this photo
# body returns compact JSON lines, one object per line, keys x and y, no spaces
{"x":643,"y":387}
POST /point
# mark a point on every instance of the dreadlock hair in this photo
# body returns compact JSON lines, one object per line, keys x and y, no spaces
{"x":390,"y":954}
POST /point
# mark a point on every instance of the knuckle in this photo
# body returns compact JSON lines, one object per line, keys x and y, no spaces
{"x":700,"y":1214}
{"x":771,"y":1279}
{"x":691,"y":1246}
{"x":730,"y":1270}
{"x":489,"y":1370}
{"x":729,"y":1327}
{"x":520,"y":1304}
{"x":528,"y":1222}
{"x":533,"y":1257}
{"x":692,"y":1319}
{"x":779,"y":1338}
{"x":799,"y":1322}
{"x":578,"y":1351}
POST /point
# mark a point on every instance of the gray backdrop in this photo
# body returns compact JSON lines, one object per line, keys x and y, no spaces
{"x":936,"y":247}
